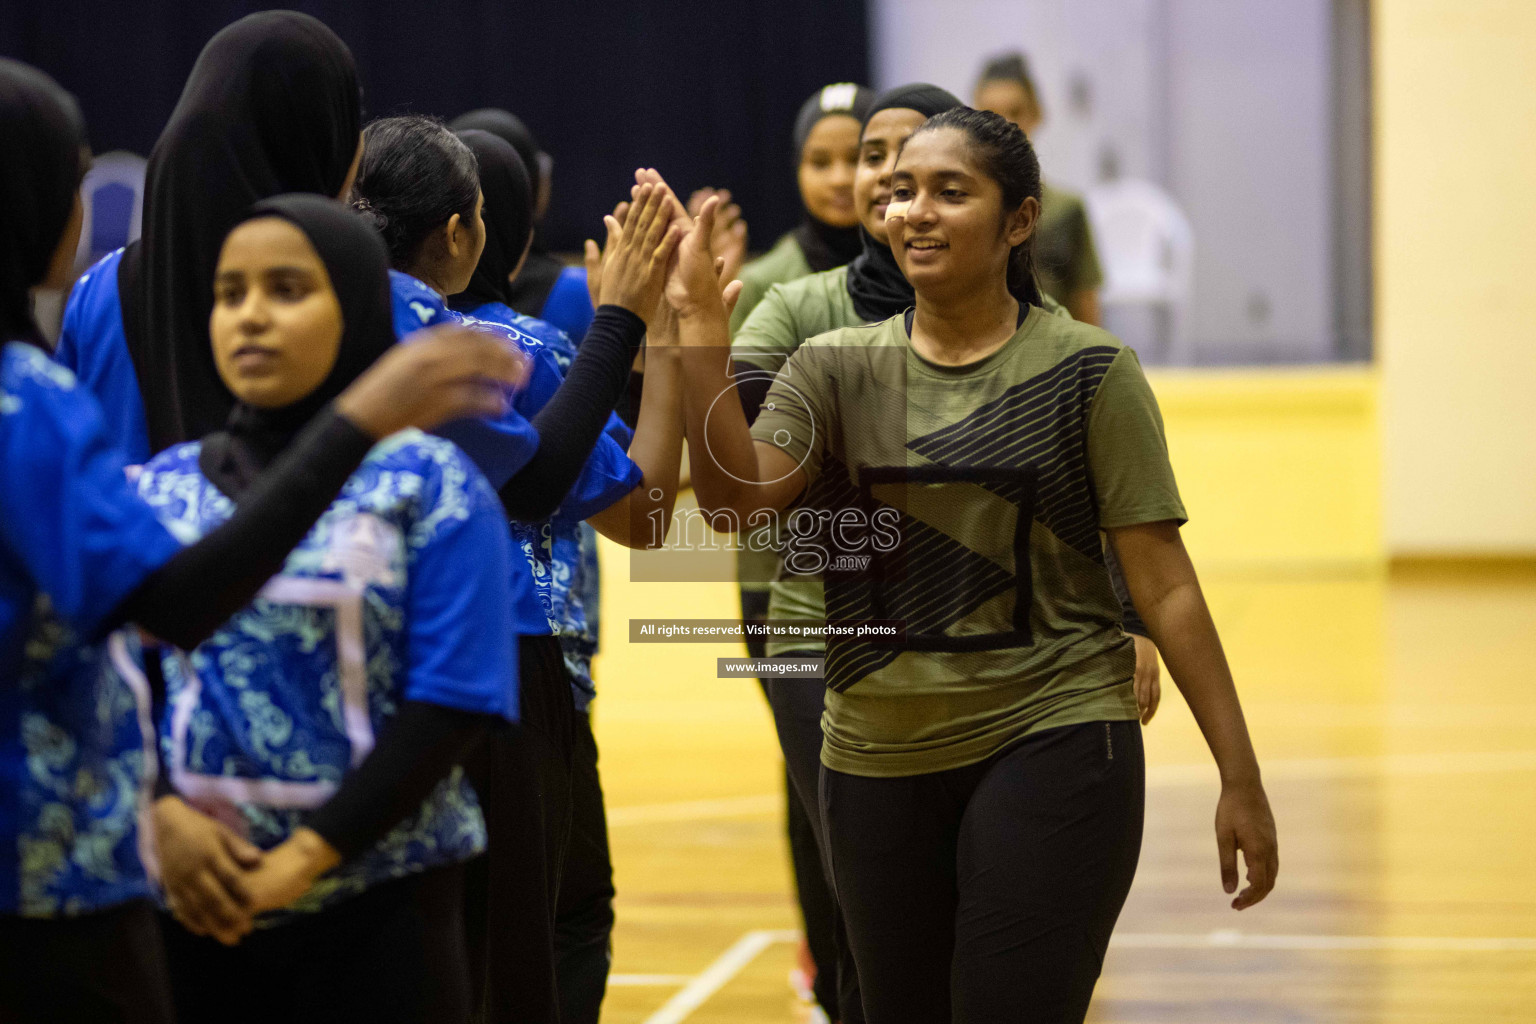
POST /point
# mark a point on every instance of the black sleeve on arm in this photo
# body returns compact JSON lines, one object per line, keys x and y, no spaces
{"x":1130,"y":619}
{"x":414,"y":754}
{"x":191,"y":595}
{"x":573,"y":418}
{"x":753,"y":388}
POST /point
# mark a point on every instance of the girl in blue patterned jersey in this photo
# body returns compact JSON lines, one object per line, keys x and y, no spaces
{"x":80,"y":552}
{"x":564,"y":550}
{"x":326,"y":721}
{"x":423,"y":187}
{"x":271,"y":106}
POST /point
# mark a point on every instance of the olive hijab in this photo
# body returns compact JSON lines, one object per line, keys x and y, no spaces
{"x":40,"y":168}
{"x":358,"y":265}
{"x":272,"y":106}
{"x":875,"y":282}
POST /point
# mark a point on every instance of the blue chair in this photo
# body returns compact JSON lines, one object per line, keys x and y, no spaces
{"x":113,"y":196}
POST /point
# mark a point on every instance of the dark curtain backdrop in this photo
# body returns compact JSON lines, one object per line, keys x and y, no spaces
{"x":704,"y":90}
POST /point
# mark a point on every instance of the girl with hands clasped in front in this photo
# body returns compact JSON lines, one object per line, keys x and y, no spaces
{"x":324,"y":723}
{"x":982,"y":777}
{"x":81,"y":553}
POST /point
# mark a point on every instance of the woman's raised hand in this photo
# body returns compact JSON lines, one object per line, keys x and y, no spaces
{"x":728,"y":240}
{"x":693,"y":287}
{"x":634,"y":260}
{"x":442,"y":373}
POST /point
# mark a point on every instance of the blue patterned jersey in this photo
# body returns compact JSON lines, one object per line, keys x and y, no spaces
{"x":399,"y":592}
{"x":551,"y":546}
{"x":567,"y":543}
{"x":76,"y":744}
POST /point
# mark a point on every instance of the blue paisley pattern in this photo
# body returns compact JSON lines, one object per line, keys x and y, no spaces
{"x":265,"y":701}
{"x":563,"y":550}
{"x":75,"y":766}
{"x":85,"y":775}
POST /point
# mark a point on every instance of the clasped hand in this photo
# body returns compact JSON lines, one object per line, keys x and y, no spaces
{"x":216,"y":883}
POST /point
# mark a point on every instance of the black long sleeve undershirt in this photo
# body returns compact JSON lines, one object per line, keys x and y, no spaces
{"x":202,"y":585}
{"x":573,"y":418}
{"x":415,"y":753}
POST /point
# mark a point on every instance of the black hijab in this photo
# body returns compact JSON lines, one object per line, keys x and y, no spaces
{"x":272,"y":106}
{"x":358,"y":265}
{"x":875,"y":282}
{"x":40,"y":169}
{"x":824,"y":245}
{"x":508,"y":220}
{"x":529,"y":292}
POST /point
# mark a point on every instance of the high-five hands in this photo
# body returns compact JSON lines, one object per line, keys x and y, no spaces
{"x":633,"y":266}
{"x":728,"y":238}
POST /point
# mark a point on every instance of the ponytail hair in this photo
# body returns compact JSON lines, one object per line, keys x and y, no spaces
{"x":415,"y":174}
{"x":1006,"y":156}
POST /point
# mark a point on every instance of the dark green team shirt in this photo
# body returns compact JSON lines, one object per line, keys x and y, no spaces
{"x":783,"y":263}
{"x":1065,"y":260}
{"x":778,"y":325}
{"x":996,"y":478}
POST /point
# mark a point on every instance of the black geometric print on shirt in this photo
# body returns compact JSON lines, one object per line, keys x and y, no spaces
{"x":935,"y":582}
{"x":1043,"y":421}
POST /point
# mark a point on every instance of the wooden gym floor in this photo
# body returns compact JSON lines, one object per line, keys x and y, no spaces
{"x":1396,"y":723}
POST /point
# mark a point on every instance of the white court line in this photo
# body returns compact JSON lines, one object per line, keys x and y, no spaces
{"x":718,"y":974}
{"x":1283,"y":769}
{"x":743,"y":951}
{"x":1233,"y":939}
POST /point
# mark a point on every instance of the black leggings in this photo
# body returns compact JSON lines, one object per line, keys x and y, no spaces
{"x":797,"y":705}
{"x":101,"y":968}
{"x":988,"y":893}
{"x":584,"y":912}
{"x":522,"y":776}
{"x":394,"y":953}
{"x":797,"y":717}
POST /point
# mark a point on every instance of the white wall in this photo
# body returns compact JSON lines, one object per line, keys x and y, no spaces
{"x":1223,"y":102}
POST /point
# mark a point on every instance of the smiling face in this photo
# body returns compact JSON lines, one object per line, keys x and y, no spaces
{"x":827,"y":165}
{"x":276,"y":323}
{"x":955,"y":235}
{"x":882,"y":139}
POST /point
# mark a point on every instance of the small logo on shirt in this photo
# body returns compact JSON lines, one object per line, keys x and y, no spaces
{"x":422,"y":310}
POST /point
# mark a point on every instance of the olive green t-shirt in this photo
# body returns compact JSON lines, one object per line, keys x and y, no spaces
{"x":783,"y":263}
{"x":981,"y":491}
{"x":756,"y":561}
{"x":787,"y":315}
{"x":1065,"y":259}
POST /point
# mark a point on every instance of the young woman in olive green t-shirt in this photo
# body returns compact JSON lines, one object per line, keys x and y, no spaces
{"x":982,"y":782}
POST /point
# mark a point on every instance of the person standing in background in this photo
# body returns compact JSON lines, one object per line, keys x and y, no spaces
{"x":826,"y":156}
{"x":545,"y":287}
{"x":1065,"y":260}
